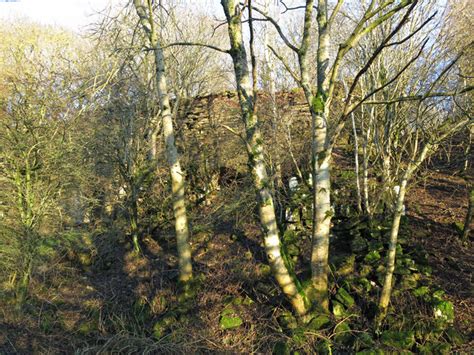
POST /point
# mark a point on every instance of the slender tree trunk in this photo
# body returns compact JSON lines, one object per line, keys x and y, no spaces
{"x":321,"y":158}
{"x":397,"y":214}
{"x":387,"y":285}
{"x":467,"y":150}
{"x":133,"y":216}
{"x":365,"y":173}
{"x":176,"y":172}
{"x":356,"y":161}
{"x":470,"y":211}
{"x":257,"y":166}
{"x":269,"y":71}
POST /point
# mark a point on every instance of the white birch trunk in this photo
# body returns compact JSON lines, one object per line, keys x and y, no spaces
{"x":365,"y":173}
{"x":176,"y":172}
{"x":387,"y":285}
{"x":321,"y":158}
{"x":256,"y":160}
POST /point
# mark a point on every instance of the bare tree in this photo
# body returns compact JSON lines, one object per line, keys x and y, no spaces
{"x":147,"y":22}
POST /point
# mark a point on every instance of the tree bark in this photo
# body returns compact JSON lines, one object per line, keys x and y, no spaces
{"x":257,"y":166}
{"x":176,"y":172}
{"x":321,"y":158}
{"x":397,"y":214}
{"x":468,"y":221}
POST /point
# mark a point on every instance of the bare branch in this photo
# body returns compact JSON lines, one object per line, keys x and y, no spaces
{"x":277,"y":27}
{"x":286,"y":65}
{"x":210,"y":46}
{"x":422,"y":97}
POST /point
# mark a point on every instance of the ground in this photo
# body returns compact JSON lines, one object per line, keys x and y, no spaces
{"x":109,"y":299}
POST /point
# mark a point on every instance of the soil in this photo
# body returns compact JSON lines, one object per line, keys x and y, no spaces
{"x":81,"y":307}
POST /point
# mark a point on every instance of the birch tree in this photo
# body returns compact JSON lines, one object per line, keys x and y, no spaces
{"x":327,"y":125}
{"x":151,"y":28}
{"x":254,"y":144}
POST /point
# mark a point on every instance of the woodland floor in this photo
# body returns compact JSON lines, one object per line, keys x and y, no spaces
{"x":89,"y":307}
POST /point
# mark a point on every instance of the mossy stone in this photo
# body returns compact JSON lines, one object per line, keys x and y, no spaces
{"x":455,"y":336}
{"x":287,"y":321}
{"x":338,"y":310}
{"x":372,"y":257}
{"x":343,"y":334}
{"x":403,"y":340}
{"x":281,"y":348}
{"x":347,"y":266}
{"x":229,"y":319}
{"x":358,"y":244}
{"x":344,"y":297}
{"x":319,"y":322}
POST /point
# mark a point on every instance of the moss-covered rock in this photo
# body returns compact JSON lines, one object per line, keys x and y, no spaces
{"x":403,"y":340}
{"x":163,"y":325}
{"x":358,"y":244}
{"x":409,"y":282}
{"x":455,"y":337}
{"x":346,"y":266}
{"x":229,"y":319}
{"x":434,"y":348}
{"x":344,"y":297}
{"x":372,"y":257}
{"x":343,"y":334}
{"x":319,"y":322}
{"x":287,"y":321}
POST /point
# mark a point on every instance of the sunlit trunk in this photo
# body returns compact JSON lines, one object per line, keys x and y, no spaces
{"x":176,"y":172}
{"x":321,"y":159}
{"x":468,"y":221}
{"x":356,"y":162}
{"x":397,"y":214}
{"x":256,"y":164}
